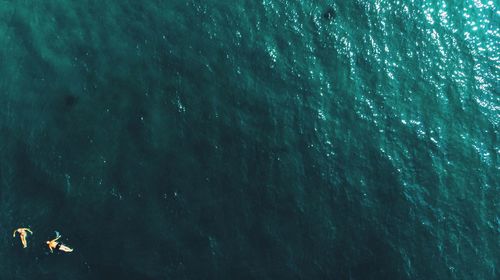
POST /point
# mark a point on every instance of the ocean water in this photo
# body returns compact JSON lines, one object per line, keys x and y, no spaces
{"x":251,"y":139}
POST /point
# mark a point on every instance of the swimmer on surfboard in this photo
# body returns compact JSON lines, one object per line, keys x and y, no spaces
{"x":53,"y":244}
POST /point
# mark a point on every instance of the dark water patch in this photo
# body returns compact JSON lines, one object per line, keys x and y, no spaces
{"x":329,"y":14}
{"x":70,"y":100}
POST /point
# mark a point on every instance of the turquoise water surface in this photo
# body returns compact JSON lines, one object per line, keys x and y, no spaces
{"x":251,"y":139}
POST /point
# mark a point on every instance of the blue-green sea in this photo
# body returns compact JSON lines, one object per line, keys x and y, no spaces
{"x":266,"y":139}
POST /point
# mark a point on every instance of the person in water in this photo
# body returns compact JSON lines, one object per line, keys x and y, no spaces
{"x":23,"y":232}
{"x":54,"y":245}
